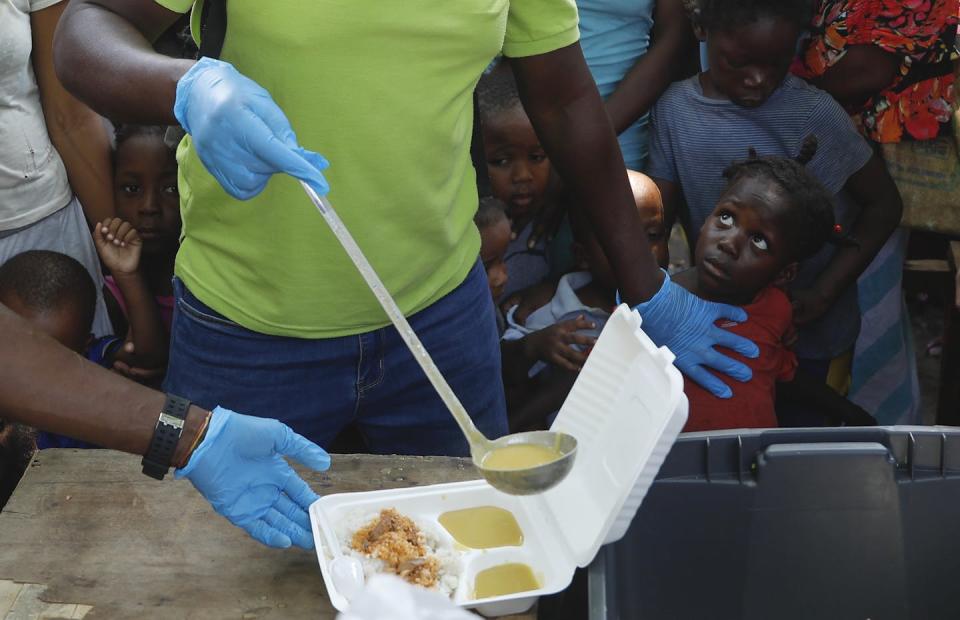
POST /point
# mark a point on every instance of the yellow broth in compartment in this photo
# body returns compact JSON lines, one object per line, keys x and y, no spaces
{"x":520,"y":456}
{"x":483,"y":527}
{"x":504,"y":579}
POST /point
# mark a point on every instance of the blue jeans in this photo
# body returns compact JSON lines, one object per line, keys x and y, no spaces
{"x":319,"y":386}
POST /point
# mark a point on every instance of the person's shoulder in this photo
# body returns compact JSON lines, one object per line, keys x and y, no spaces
{"x":677,"y":93}
{"x":771,"y":306}
{"x":801,"y":95}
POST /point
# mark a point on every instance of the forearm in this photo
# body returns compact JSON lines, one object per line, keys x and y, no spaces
{"x":862,"y":72}
{"x":84,"y":147}
{"x":879,"y":216}
{"x":656,"y":69}
{"x":51,"y":388}
{"x":77,"y":132}
{"x":107,"y":62}
{"x":568,"y":114}
{"x":146,"y":328}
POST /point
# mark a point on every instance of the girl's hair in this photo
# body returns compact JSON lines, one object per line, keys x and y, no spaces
{"x":726,"y":14}
{"x":123,"y":132}
{"x":491,"y":211}
{"x":809,"y":218}
{"x":497,"y":91}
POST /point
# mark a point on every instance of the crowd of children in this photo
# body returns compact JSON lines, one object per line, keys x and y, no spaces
{"x":782,"y":200}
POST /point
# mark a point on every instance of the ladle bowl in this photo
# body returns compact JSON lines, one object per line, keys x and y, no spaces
{"x":532,"y":479}
{"x":516,"y":481}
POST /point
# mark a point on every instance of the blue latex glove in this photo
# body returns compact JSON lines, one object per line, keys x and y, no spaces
{"x":684,"y":323}
{"x":239,"y":132}
{"x":239,"y":468}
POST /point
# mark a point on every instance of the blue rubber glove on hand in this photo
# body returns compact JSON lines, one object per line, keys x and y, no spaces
{"x":239,"y":468}
{"x":240,"y":134}
{"x":684,"y":323}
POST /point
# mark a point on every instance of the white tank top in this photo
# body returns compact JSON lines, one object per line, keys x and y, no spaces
{"x":33,"y":181}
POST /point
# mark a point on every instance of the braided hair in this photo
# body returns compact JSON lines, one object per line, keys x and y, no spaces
{"x":726,"y":14}
{"x":809,"y":217}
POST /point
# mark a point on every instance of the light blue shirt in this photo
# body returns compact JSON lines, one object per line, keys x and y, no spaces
{"x":614,"y":34}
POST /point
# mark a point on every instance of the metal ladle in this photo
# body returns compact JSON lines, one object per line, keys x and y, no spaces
{"x":514,"y":481}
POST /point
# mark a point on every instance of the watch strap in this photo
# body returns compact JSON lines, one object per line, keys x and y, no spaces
{"x":166,"y":435}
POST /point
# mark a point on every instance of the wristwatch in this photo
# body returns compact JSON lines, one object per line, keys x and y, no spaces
{"x":166,"y":435}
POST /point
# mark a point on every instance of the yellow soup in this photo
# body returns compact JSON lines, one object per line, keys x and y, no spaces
{"x":484,"y":527}
{"x":504,"y":579}
{"x":520,"y":456}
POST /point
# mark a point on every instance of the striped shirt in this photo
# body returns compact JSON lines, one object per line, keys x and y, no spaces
{"x":694,"y":138}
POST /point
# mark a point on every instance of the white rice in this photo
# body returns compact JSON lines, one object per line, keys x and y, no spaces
{"x":437,"y":542}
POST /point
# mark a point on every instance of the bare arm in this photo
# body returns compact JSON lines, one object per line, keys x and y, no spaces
{"x":655,"y":70}
{"x":863,"y":71}
{"x":76,"y":131}
{"x":104,"y":57}
{"x":146,"y":329}
{"x":877,"y":195}
{"x":566,"y":110}
{"x":120,"y":247}
{"x":52,"y":388}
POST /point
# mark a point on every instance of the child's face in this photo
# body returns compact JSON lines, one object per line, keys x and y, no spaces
{"x":652,"y":216}
{"x":517,"y":165}
{"x":742,"y":246}
{"x":65,"y":324}
{"x":748,"y":62}
{"x":494,"y":240}
{"x":145,"y":191}
{"x":649,"y":203}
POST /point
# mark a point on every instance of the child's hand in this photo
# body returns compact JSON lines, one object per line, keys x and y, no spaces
{"x":119,"y":246}
{"x":554,"y":344}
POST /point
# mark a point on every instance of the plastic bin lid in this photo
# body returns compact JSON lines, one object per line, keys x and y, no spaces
{"x":625,"y":409}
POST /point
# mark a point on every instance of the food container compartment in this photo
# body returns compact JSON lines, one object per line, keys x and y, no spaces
{"x":425,"y":505}
{"x":625,"y":409}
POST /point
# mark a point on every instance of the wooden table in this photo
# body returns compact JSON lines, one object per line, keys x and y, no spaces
{"x":86,"y":535}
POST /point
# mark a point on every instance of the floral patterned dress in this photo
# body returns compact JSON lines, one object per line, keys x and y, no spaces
{"x":916,"y":105}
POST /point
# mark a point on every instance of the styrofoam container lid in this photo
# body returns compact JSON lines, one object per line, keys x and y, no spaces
{"x":625,"y":410}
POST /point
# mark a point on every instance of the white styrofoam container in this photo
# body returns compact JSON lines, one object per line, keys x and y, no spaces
{"x":625,"y":409}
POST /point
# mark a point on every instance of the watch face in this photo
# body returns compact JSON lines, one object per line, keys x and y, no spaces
{"x":170,"y":420}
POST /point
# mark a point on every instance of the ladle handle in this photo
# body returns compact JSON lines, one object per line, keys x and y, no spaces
{"x":474,"y":436}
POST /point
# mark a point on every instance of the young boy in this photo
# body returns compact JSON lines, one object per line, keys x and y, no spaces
{"x":57,"y":295}
{"x":746,"y":98}
{"x":519,"y":172}
{"x":771,"y":216}
{"x":558,"y":335}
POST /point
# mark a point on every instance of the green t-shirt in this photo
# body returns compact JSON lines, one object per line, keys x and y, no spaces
{"x":384,"y":91}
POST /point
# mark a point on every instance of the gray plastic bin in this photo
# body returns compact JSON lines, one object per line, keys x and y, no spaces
{"x":846,"y":523}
